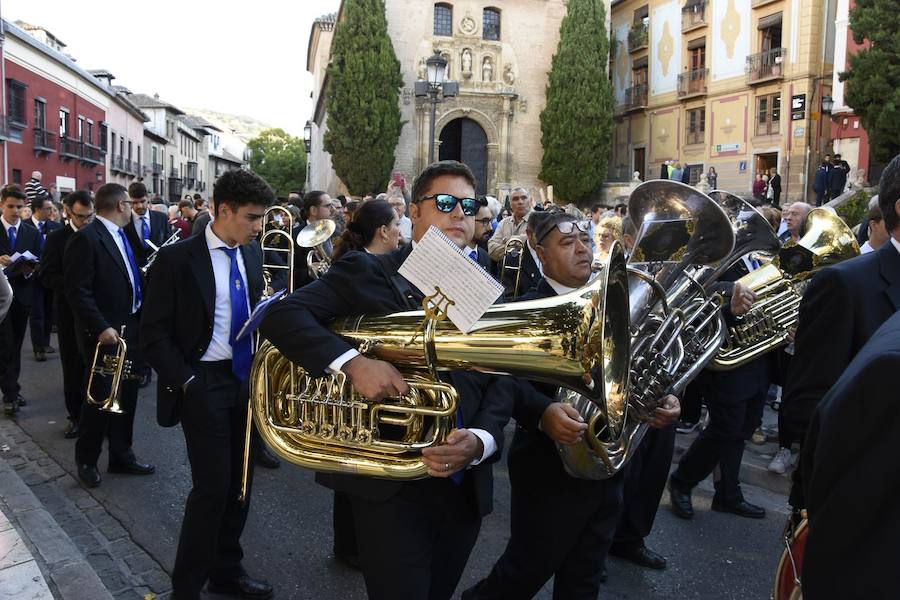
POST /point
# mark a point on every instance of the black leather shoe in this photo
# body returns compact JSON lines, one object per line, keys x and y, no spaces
{"x":603,"y":574}
{"x":131,"y":468}
{"x":681,"y":502}
{"x":265,"y":458}
{"x":40,"y":356}
{"x":72,"y":431}
{"x":742,"y":509}
{"x":20,"y":400}
{"x":10,"y":408}
{"x":49,"y":350}
{"x":242,"y":587}
{"x":89,"y":475}
{"x":145,"y":379}
{"x":642,"y":555}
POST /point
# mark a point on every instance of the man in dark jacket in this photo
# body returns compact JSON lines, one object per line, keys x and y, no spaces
{"x":821,"y":183}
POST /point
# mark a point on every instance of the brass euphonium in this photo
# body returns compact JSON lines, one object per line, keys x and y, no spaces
{"x":515,"y":248}
{"x":779,"y":285}
{"x":578,"y":341}
{"x":114,"y":366}
{"x":274,"y":241}
{"x":314,"y":236}
{"x":676,"y":327}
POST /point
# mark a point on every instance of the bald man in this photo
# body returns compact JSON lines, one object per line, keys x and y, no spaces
{"x":794,"y":217}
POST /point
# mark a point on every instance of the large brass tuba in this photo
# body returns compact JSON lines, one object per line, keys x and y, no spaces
{"x":578,"y":341}
{"x":676,"y":327}
{"x":779,"y":286}
{"x":314,"y":236}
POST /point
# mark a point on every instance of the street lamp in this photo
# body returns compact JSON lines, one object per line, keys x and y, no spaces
{"x":307,"y":136}
{"x":827,"y":104}
{"x":435,"y":86}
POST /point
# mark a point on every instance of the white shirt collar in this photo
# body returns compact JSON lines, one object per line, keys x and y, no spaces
{"x":137,"y":218}
{"x":37,"y":224}
{"x":559,"y":288}
{"x":471,"y":249}
{"x":213,"y":241}
{"x":7,"y":224}
{"x":895,"y":243}
{"x":112,"y":227}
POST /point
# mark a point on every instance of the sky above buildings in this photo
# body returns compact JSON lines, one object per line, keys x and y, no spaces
{"x":243,"y":58}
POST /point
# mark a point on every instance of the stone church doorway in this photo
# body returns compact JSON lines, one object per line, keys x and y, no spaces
{"x":465,"y":140}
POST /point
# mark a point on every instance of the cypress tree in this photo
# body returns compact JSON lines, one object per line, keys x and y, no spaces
{"x":873,"y":79}
{"x":577,"y":122}
{"x":362,"y":98}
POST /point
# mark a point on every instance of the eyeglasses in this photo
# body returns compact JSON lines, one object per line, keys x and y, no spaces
{"x":567,"y":227}
{"x":446,"y":203}
{"x":485,"y":222}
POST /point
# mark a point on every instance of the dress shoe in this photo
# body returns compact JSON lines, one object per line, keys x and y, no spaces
{"x":20,"y":400}
{"x":242,"y":587}
{"x":642,"y":555}
{"x":40,"y":355}
{"x":131,"y":468}
{"x":89,"y":475}
{"x":73,"y":430}
{"x":742,"y":509}
{"x":145,"y":379}
{"x":49,"y":350}
{"x":265,"y":458}
{"x":603,"y":574}
{"x":10,"y":408}
{"x":681,"y":502}
{"x":350,"y":560}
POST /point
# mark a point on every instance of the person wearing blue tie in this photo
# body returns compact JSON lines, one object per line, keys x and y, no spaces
{"x":104,"y":288}
{"x":41,"y":320}
{"x":201,"y":292}
{"x":147,"y":228}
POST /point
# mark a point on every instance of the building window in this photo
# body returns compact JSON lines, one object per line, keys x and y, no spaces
{"x":17,"y":176}
{"x":63,"y":124}
{"x":113,"y":145}
{"x":80,"y":129}
{"x":40,"y":114}
{"x":491,"y":24}
{"x":102,"y":139}
{"x":768,"y":114}
{"x":121,"y":146}
{"x":696,"y":172}
{"x":697,"y":57}
{"x":443,"y":19}
{"x":89,"y":136}
{"x":696,"y":126}
{"x":15,"y":102}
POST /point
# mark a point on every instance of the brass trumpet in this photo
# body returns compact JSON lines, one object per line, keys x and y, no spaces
{"x":314,"y":236}
{"x":150,"y":259}
{"x":514,"y":246}
{"x":112,"y":365}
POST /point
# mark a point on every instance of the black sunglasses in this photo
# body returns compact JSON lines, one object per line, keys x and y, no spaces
{"x":567,"y":227}
{"x":446,"y":203}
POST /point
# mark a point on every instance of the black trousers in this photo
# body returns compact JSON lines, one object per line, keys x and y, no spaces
{"x":214,"y":419}
{"x":691,"y":403}
{"x":645,"y":481}
{"x":12,"y":334}
{"x":560,"y":527}
{"x":415,"y":545}
{"x":73,"y":370}
{"x":343,"y":525}
{"x":97,"y":424}
{"x":735,"y":401}
{"x":41,"y":317}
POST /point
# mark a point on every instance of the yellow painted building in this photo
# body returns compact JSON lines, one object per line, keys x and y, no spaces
{"x":732,"y":84}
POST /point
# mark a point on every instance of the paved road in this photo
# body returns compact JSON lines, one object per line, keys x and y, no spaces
{"x":288,"y":534}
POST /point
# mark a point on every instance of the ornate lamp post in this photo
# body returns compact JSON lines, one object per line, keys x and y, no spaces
{"x":433,"y":89}
{"x":307,"y":136}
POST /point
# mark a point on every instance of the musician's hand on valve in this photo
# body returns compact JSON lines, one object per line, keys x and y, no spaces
{"x":108,"y":337}
{"x":742,"y":299}
{"x":375,"y":379}
{"x":667,"y":413}
{"x":460,"y":449}
{"x":562,"y":423}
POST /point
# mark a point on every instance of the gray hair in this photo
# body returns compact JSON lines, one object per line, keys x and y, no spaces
{"x":494,"y":206}
{"x":520,"y":189}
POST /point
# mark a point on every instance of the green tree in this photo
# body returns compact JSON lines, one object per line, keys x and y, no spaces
{"x":279,"y":158}
{"x":362,"y":98}
{"x":577,"y":122}
{"x":873,"y":79}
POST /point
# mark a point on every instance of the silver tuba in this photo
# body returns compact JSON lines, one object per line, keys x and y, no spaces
{"x":676,"y":327}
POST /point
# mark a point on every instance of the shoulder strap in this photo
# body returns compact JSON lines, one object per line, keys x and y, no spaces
{"x":407,"y":295}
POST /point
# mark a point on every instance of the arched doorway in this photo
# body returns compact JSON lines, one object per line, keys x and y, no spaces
{"x":465,"y":140}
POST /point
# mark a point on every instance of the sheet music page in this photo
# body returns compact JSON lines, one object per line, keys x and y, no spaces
{"x":437,"y":261}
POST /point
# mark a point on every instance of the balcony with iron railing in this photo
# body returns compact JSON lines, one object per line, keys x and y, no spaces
{"x":189,"y":182}
{"x":693,"y":16}
{"x":636,"y":97}
{"x":174,"y":174}
{"x":175,"y":188}
{"x":92,"y":154}
{"x":44,"y":141}
{"x":765,"y":66}
{"x":638,"y":37}
{"x":156,"y":168}
{"x":692,"y":83}
{"x":758,"y":3}
{"x":117,"y":164}
{"x":4,"y":127}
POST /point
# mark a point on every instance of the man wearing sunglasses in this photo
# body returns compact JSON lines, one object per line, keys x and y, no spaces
{"x":544,"y":543}
{"x":520,"y":204}
{"x":414,"y":537}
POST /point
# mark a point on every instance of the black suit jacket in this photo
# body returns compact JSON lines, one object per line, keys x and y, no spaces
{"x":50,"y":272}
{"x":159,"y":233}
{"x":97,"y":285}
{"x":852,"y":478}
{"x":49,"y":227}
{"x":27,"y":238}
{"x":362,"y":283}
{"x":179,"y":310}
{"x":841,"y":309}
{"x":529,"y":277}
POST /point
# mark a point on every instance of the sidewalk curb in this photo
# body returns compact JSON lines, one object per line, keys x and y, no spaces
{"x":63,"y":564}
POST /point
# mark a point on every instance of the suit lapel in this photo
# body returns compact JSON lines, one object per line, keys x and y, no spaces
{"x":253,"y":266}
{"x":110,"y":245}
{"x":201,"y":266}
{"x":889,"y":260}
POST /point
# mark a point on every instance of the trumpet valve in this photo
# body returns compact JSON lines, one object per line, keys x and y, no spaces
{"x":308,"y":427}
{"x":364,"y":436}
{"x":345,"y":434}
{"x":326,"y":431}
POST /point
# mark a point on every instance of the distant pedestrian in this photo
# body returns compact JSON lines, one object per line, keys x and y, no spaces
{"x":712,"y":178}
{"x":774,"y":187}
{"x":820,"y":183}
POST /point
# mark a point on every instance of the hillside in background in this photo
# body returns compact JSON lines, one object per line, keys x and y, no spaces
{"x":245,"y":128}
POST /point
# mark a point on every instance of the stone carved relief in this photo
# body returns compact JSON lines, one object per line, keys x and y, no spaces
{"x":665,"y":49}
{"x":467,"y":25}
{"x":508,"y":75}
{"x":448,"y":74}
{"x":487,"y":69}
{"x":421,"y":70}
{"x":407,"y":95}
{"x":466,"y":62}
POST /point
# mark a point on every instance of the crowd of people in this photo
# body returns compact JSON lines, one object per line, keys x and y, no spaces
{"x":109,"y":269}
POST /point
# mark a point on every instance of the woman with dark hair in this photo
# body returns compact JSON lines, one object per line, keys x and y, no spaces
{"x":374,"y":228}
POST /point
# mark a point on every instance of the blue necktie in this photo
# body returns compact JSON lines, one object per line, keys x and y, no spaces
{"x":11,"y":232}
{"x":132,"y":264}
{"x":474,"y":255}
{"x":242,"y":351}
{"x":145,"y":231}
{"x":42,"y":228}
